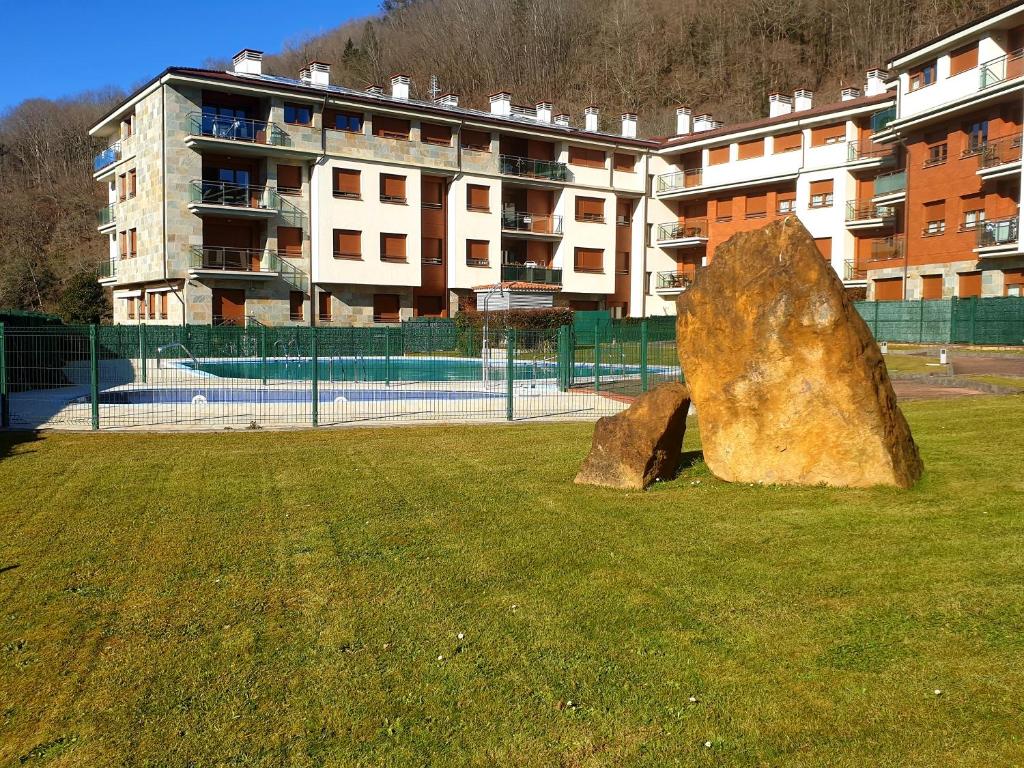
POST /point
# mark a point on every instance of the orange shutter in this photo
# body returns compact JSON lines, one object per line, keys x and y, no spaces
{"x":788,"y":142}
{"x":390,"y":127}
{"x":348,"y":244}
{"x":346,"y":182}
{"x":931,"y":287}
{"x":392,"y":188}
{"x":477,"y":253}
{"x":289,"y":178}
{"x":963,"y":59}
{"x":723,"y":209}
{"x":625,"y":162}
{"x":824,"y":247}
{"x":718,"y":155}
{"x":324,"y":306}
{"x":754,"y":148}
{"x":589,"y":260}
{"x":479,"y":141}
{"x":589,"y":209}
{"x":289,"y":241}
{"x":969,"y":284}
{"x":757,"y":206}
{"x":477,"y":197}
{"x":392,"y":247}
{"x":828,"y":134}
{"x":585,"y":156}
{"x":431,"y":133}
{"x":889,"y":289}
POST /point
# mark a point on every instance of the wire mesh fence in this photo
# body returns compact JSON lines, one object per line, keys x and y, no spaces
{"x":997,"y":321}
{"x":225,"y":376}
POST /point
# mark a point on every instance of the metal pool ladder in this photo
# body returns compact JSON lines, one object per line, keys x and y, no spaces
{"x":175,"y":345}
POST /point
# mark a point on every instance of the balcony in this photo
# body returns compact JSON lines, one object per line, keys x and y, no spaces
{"x":853,"y":274}
{"x":105,"y":218}
{"x":865,"y":215}
{"x":528,"y":168}
{"x":998,"y":236}
{"x":1001,"y":69}
{"x":999,"y":157}
{"x":890,"y":187}
{"x":680,"y":234}
{"x":887,"y":248}
{"x":530,"y":274}
{"x":249,"y":263}
{"x":672,"y":282}
{"x":106,"y":271}
{"x":868,"y":154}
{"x":108,"y":156}
{"x":880,"y":120}
{"x":223,"y":198}
{"x":525,"y":223}
{"x":237,"y":129}
{"x":674,"y":182}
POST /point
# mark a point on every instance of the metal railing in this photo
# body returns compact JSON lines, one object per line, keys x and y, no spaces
{"x":549,"y":170}
{"x":528,"y":274}
{"x":251,"y":196}
{"x":890,"y":183}
{"x":106,"y":269}
{"x":868,"y":150}
{"x":682,"y":230}
{"x":857,"y":210}
{"x":999,"y":151}
{"x":1002,"y":68}
{"x":998,"y":232}
{"x":523,"y":221}
{"x":107,"y":157}
{"x":886,"y":248}
{"x":237,"y":129}
{"x":673,"y":280}
{"x":880,"y":120}
{"x":852,"y":272}
{"x":229,"y":259}
{"x":105,"y":216}
{"x":686,"y":179}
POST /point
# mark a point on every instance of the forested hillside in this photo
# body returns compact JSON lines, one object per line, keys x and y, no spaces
{"x":722,"y":56}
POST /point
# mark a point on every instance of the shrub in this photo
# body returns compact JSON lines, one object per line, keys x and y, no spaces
{"x":520,"y":319}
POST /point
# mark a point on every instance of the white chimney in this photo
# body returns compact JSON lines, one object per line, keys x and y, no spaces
{"x":562,"y":119}
{"x":779,"y":104}
{"x":850,"y":93}
{"x":590,"y":118}
{"x":375,"y":90}
{"x":544,"y":111}
{"x":248,"y":62}
{"x":400,"y":87}
{"x":448,"y":100}
{"x":802,"y":100}
{"x":703,"y":123}
{"x":684,"y":121}
{"x":629,"y":125}
{"x":501,"y":103}
{"x":319,"y":73}
{"x":875,"y":84}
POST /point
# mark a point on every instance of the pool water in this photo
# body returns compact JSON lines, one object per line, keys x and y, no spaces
{"x":197,"y":395}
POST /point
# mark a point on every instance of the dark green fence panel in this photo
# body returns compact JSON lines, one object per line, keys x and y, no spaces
{"x":989,"y":321}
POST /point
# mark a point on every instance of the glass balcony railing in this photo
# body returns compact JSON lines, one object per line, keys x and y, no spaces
{"x":105,"y":216}
{"x":1003,"y":68}
{"x":210,"y":257}
{"x":683,"y":230}
{"x":529,"y":274}
{"x":108,"y":156}
{"x":857,"y":210}
{"x":852,"y":272}
{"x":686,"y":179}
{"x":998,"y":232}
{"x":868,"y":150}
{"x":998,"y":152}
{"x":250,"y":196}
{"x":886,"y":248}
{"x":880,"y":120}
{"x":106,"y":269}
{"x":538,"y":223}
{"x":673,"y":280}
{"x":890,"y":183}
{"x":527,"y":167}
{"x":237,"y":129}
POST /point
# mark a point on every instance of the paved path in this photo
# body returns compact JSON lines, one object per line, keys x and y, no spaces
{"x":920,"y":390}
{"x":1003,"y":366}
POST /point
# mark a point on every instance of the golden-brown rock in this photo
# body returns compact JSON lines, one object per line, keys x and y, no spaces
{"x":640,"y":445}
{"x":788,"y":383}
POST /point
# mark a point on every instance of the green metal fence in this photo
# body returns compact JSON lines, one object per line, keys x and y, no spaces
{"x":216,"y":376}
{"x":990,"y":321}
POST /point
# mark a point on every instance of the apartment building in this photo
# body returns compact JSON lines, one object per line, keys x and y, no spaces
{"x":237,"y":196}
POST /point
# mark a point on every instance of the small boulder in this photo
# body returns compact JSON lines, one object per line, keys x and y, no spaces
{"x":787,"y":380}
{"x":640,"y":445}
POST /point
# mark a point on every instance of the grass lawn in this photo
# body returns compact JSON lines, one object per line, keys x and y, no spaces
{"x":296,"y":598}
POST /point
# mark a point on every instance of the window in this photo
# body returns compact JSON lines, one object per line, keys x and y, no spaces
{"x":828,"y":134}
{"x":623,"y":213}
{"x":128,"y":126}
{"x":923,"y":76}
{"x":718,"y":155}
{"x":348,"y":244}
{"x":296,"y":302}
{"x":622,"y":263}
{"x":122,"y":244}
{"x":432,"y":193}
{"x":324,"y":306}
{"x":749,"y":149}
{"x":931,"y":287}
{"x":441,"y":135}
{"x":163,"y":305}
{"x":590,"y":209}
{"x":586,"y":157}
{"x":390,"y":128}
{"x":785,"y":202}
{"x":588,"y":260}
{"x":934,"y":218}
{"x":392,"y":188}
{"x":131,"y":308}
{"x":151,"y":300}
{"x":889,"y":289}
{"x":757,"y":206}
{"x":432,"y":250}
{"x":478,"y":197}
{"x":821,"y":194}
{"x":297,"y":114}
{"x":392,"y":247}
{"x":963,"y":59}
{"x":824,"y":245}
{"x":968,"y":284}
{"x":339,"y":120}
{"x":132,"y":183}
{"x":428,"y":306}
{"x":386,"y":308}
{"x":289,"y":179}
{"x":477,"y":253}
{"x":936,"y":154}
{"x":346,"y":183}
{"x":478,"y":141}
{"x":624,"y":162}
{"x":122,"y":187}
{"x":133,"y":243}
{"x":973,"y":219}
{"x":723,"y":209}
{"x":788,"y":142}
{"x":977,"y":136}
{"x":289,"y":241}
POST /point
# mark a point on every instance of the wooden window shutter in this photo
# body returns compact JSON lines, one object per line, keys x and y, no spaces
{"x":931,"y":287}
{"x":390,"y":127}
{"x":963,"y":59}
{"x":431,"y":133}
{"x":296,"y":303}
{"x":828,"y":134}
{"x":889,"y":289}
{"x":346,"y":182}
{"x":718,"y":155}
{"x":587,"y":157}
{"x":392,"y":188}
{"x":289,"y":241}
{"x":289,"y":178}
{"x":392,"y":247}
{"x":968,"y":284}
{"x":477,"y":253}
{"x":122,"y":244}
{"x":757,"y":206}
{"x":163,"y":305}
{"x":479,"y":141}
{"x":788,"y":142}
{"x":589,"y":260}
{"x":823,"y":187}
{"x":824,"y":247}
{"x":324,"y":306}
{"x":589,"y":209}
{"x":477,"y":197}
{"x":724,"y":208}
{"x":348,"y":244}
{"x":625,"y":162}
{"x":754,"y":148}
{"x":386,"y":307}
{"x":935,"y":210}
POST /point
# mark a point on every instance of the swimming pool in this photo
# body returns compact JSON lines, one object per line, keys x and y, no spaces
{"x":200,"y":395}
{"x":398,"y":368}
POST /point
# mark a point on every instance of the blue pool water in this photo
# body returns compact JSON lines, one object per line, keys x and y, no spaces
{"x":214,"y":394}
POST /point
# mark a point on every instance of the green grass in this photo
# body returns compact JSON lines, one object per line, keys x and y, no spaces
{"x":896,"y":363}
{"x":1012,"y":382}
{"x":283,"y":599}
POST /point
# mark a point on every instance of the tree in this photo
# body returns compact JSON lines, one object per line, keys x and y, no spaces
{"x":84,"y":301}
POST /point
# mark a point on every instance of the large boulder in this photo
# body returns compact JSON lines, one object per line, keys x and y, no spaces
{"x":640,"y":445}
{"x":788,"y":383}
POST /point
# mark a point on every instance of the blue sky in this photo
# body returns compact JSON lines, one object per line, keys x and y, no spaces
{"x":125,"y":44}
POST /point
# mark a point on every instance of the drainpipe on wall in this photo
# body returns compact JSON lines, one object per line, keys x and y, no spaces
{"x":643,"y":235}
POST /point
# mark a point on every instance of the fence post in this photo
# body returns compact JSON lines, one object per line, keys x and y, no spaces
{"x":510,"y":370}
{"x":314,"y":376}
{"x":643,"y":355}
{"x":874,"y":325}
{"x":263,"y":353}
{"x":142,"y":351}
{"x":5,"y":412}
{"x":564,"y":358}
{"x":387,"y":357}
{"x":597,"y":359}
{"x":94,"y":378}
